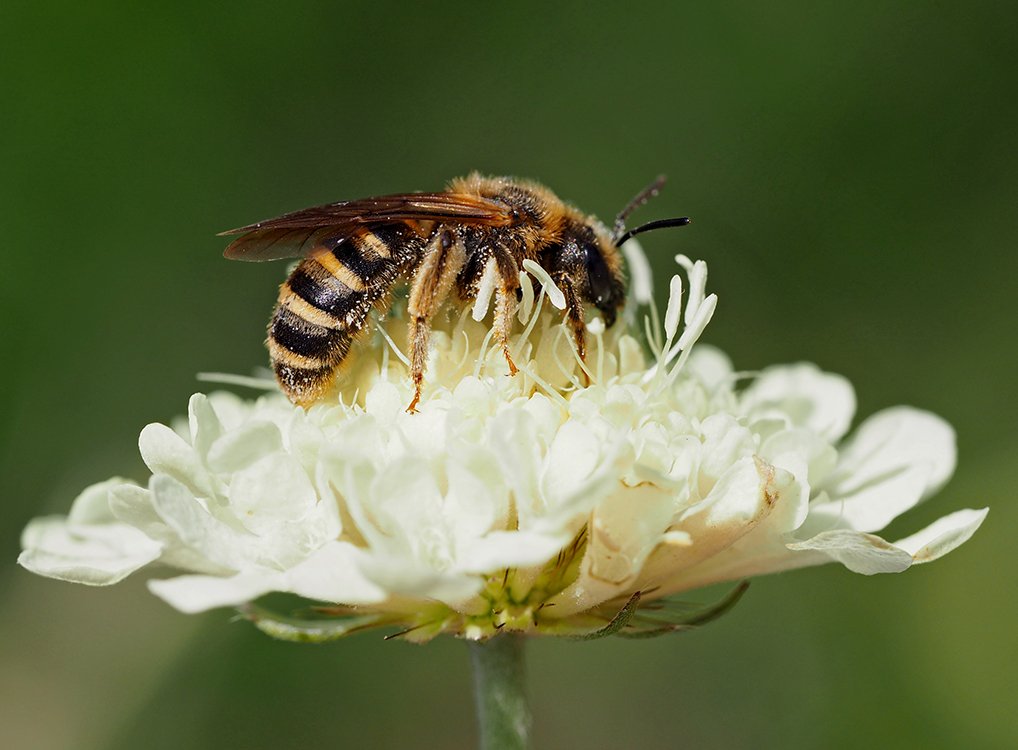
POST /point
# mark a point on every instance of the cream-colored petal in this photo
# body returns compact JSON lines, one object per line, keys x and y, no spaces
{"x":96,"y":555}
{"x":893,"y":441}
{"x":165,"y":452}
{"x":943,"y":535}
{"x":802,"y":396}
{"x":895,"y":458}
{"x":499,"y":550}
{"x":196,"y":527}
{"x":239,"y":448}
{"x":725,"y":543}
{"x":859,"y":552}
{"x":204,"y":424}
{"x":197,"y":593}
{"x":872,"y":506}
{"x":333,"y":574}
{"x":624,"y":529}
{"x":93,"y":504}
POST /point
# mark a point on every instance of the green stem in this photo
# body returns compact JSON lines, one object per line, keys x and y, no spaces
{"x":499,"y":691}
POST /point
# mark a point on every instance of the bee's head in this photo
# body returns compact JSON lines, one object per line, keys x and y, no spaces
{"x":588,"y":255}
{"x":599,"y":254}
{"x":603,"y":284}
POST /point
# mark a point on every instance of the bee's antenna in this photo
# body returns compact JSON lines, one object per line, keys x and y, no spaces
{"x":638,"y":200}
{"x":680,"y":221}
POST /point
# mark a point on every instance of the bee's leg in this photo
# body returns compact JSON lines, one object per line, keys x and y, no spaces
{"x":505,"y":302}
{"x":443,"y":258}
{"x":575,"y":319}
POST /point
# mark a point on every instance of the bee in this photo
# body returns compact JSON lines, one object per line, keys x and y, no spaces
{"x":354,"y":252}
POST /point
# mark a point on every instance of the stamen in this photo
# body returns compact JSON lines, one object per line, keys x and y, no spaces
{"x":536,"y":315}
{"x":245,"y":381}
{"x":482,"y":355}
{"x":555,"y":296}
{"x":698,"y":313}
{"x":527,"y":298}
{"x":674,"y":310}
{"x":466,"y":350}
{"x":651,"y":334}
{"x":571,"y":372}
{"x":690,"y":336}
{"x":546,"y":387}
{"x":598,"y":332}
{"x":392,"y":344}
{"x":695,"y":328}
{"x":697,"y":273}
{"x":641,"y":282}
{"x":484,"y":291}
{"x":655,"y":319}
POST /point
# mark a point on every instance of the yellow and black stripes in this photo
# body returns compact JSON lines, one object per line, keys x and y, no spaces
{"x":325,"y":302}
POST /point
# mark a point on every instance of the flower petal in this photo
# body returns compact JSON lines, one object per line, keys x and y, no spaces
{"x":332,"y":574}
{"x":873,"y":506}
{"x":896,"y":457}
{"x":860,"y":553}
{"x":711,"y":365}
{"x":745,"y":495}
{"x":93,"y":504}
{"x":195,"y":593}
{"x":96,"y":555}
{"x":196,"y":527}
{"x":747,"y":544}
{"x":803,"y":396}
{"x":242,"y":447}
{"x":572,"y":457}
{"x":271,"y":492}
{"x":509,"y":549}
{"x":900,"y":436}
{"x":203,"y":422}
{"x":165,"y":452}
{"x":942,"y":536}
{"x":625,"y":529}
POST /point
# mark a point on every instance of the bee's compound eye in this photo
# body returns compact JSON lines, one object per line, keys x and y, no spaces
{"x":599,"y":278}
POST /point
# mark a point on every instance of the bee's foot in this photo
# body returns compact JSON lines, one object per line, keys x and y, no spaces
{"x":513,"y":369}
{"x":412,"y":409}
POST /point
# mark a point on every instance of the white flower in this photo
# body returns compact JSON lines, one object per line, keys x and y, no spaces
{"x":555,"y":501}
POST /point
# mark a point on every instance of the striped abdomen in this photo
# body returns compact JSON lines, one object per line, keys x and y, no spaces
{"x":325,"y":303}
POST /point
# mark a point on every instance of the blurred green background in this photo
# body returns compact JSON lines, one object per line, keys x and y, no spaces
{"x":851,"y":170}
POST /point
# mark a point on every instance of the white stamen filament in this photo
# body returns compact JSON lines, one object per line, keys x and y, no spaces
{"x":536,"y":314}
{"x":570,"y":372}
{"x":245,"y":381}
{"x":482,"y":354}
{"x":641,"y":285}
{"x":555,"y":296}
{"x":392,"y":345}
{"x":697,"y":273}
{"x":690,"y":336}
{"x":527,"y":299}
{"x":484,"y":291}
{"x":674,"y":310}
{"x":550,"y":390}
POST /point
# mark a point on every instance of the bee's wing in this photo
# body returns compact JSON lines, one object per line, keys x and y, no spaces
{"x":302,"y":233}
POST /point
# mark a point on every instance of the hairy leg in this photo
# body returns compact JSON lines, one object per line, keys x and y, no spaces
{"x":574,"y":316}
{"x":505,"y":301}
{"x":443,"y":258}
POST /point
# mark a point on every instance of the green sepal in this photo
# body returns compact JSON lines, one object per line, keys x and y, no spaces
{"x":619,"y":621}
{"x":297,"y":629}
{"x":650,"y":627}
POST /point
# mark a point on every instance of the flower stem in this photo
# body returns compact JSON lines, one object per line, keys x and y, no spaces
{"x":502,"y":710}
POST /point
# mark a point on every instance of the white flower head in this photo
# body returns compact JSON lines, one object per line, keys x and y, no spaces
{"x":557,"y":501}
